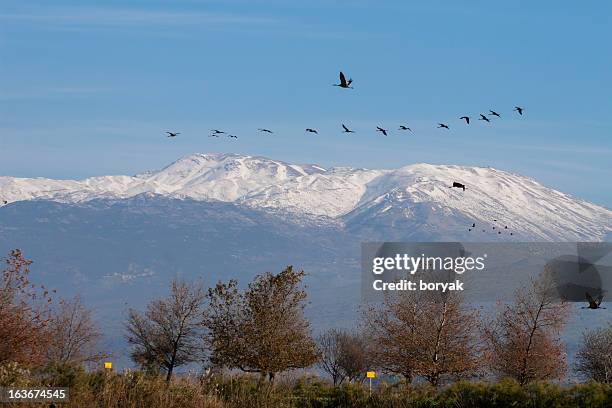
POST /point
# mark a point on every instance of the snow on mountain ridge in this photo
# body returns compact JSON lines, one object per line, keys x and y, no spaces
{"x":258,"y":182}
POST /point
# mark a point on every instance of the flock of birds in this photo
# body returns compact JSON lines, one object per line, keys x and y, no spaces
{"x":346,"y":84}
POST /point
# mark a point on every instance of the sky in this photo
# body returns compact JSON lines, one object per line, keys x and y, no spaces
{"x":89,"y":87}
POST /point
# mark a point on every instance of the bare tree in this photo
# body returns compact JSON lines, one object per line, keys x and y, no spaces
{"x":594,"y":359}
{"x":425,"y":334}
{"x":330,"y":354}
{"x":73,"y":334}
{"x":262,"y":329}
{"x":523,"y":339}
{"x":24,"y":312}
{"x":343,"y":355}
{"x":169,"y":333}
{"x":353,"y":361}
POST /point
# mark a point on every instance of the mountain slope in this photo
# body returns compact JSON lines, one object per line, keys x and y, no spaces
{"x":416,"y":198}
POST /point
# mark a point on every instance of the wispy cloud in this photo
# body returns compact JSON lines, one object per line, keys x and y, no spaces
{"x":133,"y":17}
{"x":45,"y":92}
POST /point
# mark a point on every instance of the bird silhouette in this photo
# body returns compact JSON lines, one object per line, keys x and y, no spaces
{"x":173,"y":134}
{"x":233,"y":136}
{"x":402,"y":127}
{"x":443,"y":125}
{"x":483,"y":117}
{"x":4,"y":202}
{"x":312,"y":131}
{"x":217,"y":132}
{"x":214,"y":135}
{"x":381,"y":130}
{"x":347,"y":130}
{"x":594,"y":303}
{"x":467,"y":119}
{"x":458,"y":185}
{"x":265,"y":130}
{"x":519,"y":110}
{"x":493,"y":113}
{"x":344,"y":83}
{"x":474,"y":225}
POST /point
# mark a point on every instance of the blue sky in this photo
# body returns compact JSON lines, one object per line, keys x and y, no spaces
{"x":88,"y":87}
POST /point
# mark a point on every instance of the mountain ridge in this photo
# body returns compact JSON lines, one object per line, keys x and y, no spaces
{"x":384,"y":196}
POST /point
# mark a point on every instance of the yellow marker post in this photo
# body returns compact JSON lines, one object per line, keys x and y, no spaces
{"x":370,"y":375}
{"x":108,"y":365}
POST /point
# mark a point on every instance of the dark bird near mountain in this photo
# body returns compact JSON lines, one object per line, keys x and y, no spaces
{"x":519,"y":110}
{"x":265,"y":130}
{"x":493,"y":113}
{"x":483,"y":117}
{"x":217,"y":132}
{"x":233,"y":136}
{"x":458,"y":185}
{"x":594,"y":303}
{"x":402,"y":127}
{"x":171,"y":134}
{"x":4,"y":202}
{"x":467,"y":119}
{"x":474,"y":225}
{"x":312,"y":131}
{"x":347,"y":130}
{"x":381,"y":130}
{"x":343,"y":82}
{"x":493,"y":227}
{"x":443,"y":125}
{"x":469,"y":229}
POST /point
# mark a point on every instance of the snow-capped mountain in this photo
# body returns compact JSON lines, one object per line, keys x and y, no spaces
{"x":416,"y":196}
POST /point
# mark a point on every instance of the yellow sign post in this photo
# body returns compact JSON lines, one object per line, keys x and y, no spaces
{"x":370,"y":375}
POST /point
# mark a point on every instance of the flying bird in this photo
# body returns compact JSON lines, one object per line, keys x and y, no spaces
{"x":343,"y":82}
{"x":493,"y":113}
{"x":347,"y":130}
{"x":519,"y":110}
{"x":402,"y":127}
{"x":233,"y":136}
{"x":217,"y":132}
{"x":312,"y":131}
{"x":381,"y":130}
{"x":594,"y":303}
{"x":474,"y":225}
{"x":483,"y":117}
{"x":265,"y":130}
{"x":442,"y":125}
{"x":173,"y":134}
{"x":458,"y":185}
{"x":467,"y":119}
{"x":4,"y":202}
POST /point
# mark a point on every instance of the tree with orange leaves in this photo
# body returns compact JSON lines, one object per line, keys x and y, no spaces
{"x":24,"y":313}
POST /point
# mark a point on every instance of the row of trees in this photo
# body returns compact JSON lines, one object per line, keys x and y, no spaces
{"x":37,"y":330}
{"x":262,"y":329}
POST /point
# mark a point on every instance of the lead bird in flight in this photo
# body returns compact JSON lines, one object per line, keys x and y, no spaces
{"x":381,"y":130}
{"x":347,"y":130}
{"x":265,"y":130}
{"x":443,"y":125}
{"x":466,"y":118}
{"x":344,"y":83}
{"x":519,"y":110}
{"x":173,"y":134}
{"x":402,"y":127}
{"x":483,"y":117}
{"x":309,"y":130}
